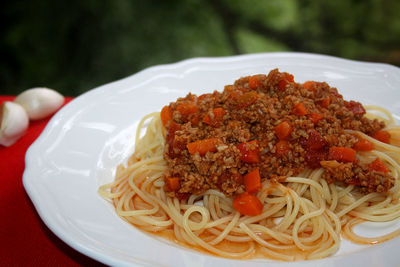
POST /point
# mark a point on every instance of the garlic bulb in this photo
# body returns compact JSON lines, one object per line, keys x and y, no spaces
{"x":13,"y":123}
{"x":40,"y":102}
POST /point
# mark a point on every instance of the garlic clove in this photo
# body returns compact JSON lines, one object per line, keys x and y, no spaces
{"x":13,"y":123}
{"x":40,"y":102}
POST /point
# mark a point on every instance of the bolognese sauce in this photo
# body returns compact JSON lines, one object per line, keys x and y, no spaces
{"x":268,"y":127}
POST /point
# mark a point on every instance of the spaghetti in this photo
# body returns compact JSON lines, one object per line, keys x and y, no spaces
{"x":303,"y":216}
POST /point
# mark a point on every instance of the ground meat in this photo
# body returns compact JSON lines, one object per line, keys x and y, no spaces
{"x":269,"y":123}
{"x":335,"y":171}
{"x":355,"y":174}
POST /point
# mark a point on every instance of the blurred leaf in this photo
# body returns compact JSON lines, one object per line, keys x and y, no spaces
{"x":251,"y":42}
{"x":277,"y":14}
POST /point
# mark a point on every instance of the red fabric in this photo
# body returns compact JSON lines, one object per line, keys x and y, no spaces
{"x":24,"y":239}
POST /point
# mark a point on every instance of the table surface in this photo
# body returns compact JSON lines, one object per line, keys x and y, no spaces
{"x":25,"y":239}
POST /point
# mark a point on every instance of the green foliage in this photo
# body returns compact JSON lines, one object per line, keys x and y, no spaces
{"x":73,"y":46}
{"x":252,"y":42}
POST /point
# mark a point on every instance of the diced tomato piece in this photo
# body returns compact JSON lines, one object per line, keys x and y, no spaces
{"x":335,"y":92}
{"x":252,"y":181}
{"x":299,"y":109}
{"x":378,"y":165}
{"x":247,"y":204}
{"x":314,"y":157}
{"x":315,"y":117}
{"x":353,"y":181}
{"x":203,"y":146}
{"x":254,"y":82}
{"x":172,"y":183}
{"x":383,"y":136}
{"x":174,"y":147}
{"x":283,"y":130}
{"x":249,"y":155}
{"x":173,"y":127}
{"x":166,"y":115}
{"x":282,"y":148}
{"x":182,"y":196}
{"x":363,"y":145}
{"x":342,"y":154}
{"x":186,"y":109}
{"x":355,"y":107}
{"x":314,"y":141}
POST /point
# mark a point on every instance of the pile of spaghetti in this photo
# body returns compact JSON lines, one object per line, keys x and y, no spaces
{"x":267,"y":168}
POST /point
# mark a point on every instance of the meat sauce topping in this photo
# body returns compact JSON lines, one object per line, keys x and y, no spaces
{"x":268,"y":127}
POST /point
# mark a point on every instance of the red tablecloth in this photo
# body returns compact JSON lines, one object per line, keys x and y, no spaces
{"x":24,"y":239}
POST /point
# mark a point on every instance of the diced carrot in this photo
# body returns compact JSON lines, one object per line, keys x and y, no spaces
{"x":343,"y":154}
{"x":252,"y":181}
{"x":363,"y":145}
{"x":315,"y":117}
{"x":378,"y":165}
{"x":247,"y":99}
{"x":282,"y":148}
{"x":310,"y":85}
{"x":285,"y":80}
{"x":254,"y":82}
{"x":218,"y":113}
{"x":203,"y":146}
{"x":230,"y":87}
{"x":207,"y":119}
{"x":325,"y":102}
{"x":249,"y":155}
{"x":166,"y":115}
{"x":382,"y":135}
{"x":235,"y":95}
{"x":203,"y":96}
{"x":299,"y":109}
{"x":233,"y":92}
{"x":195,"y":119}
{"x":185,"y":109}
{"x":172,"y":183}
{"x":247,"y":204}
{"x":217,"y":118}
{"x":283,"y":130}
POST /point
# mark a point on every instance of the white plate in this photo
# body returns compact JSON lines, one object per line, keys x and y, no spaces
{"x":85,"y":141}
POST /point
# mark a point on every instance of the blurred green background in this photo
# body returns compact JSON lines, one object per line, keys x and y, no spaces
{"x":73,"y":46}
